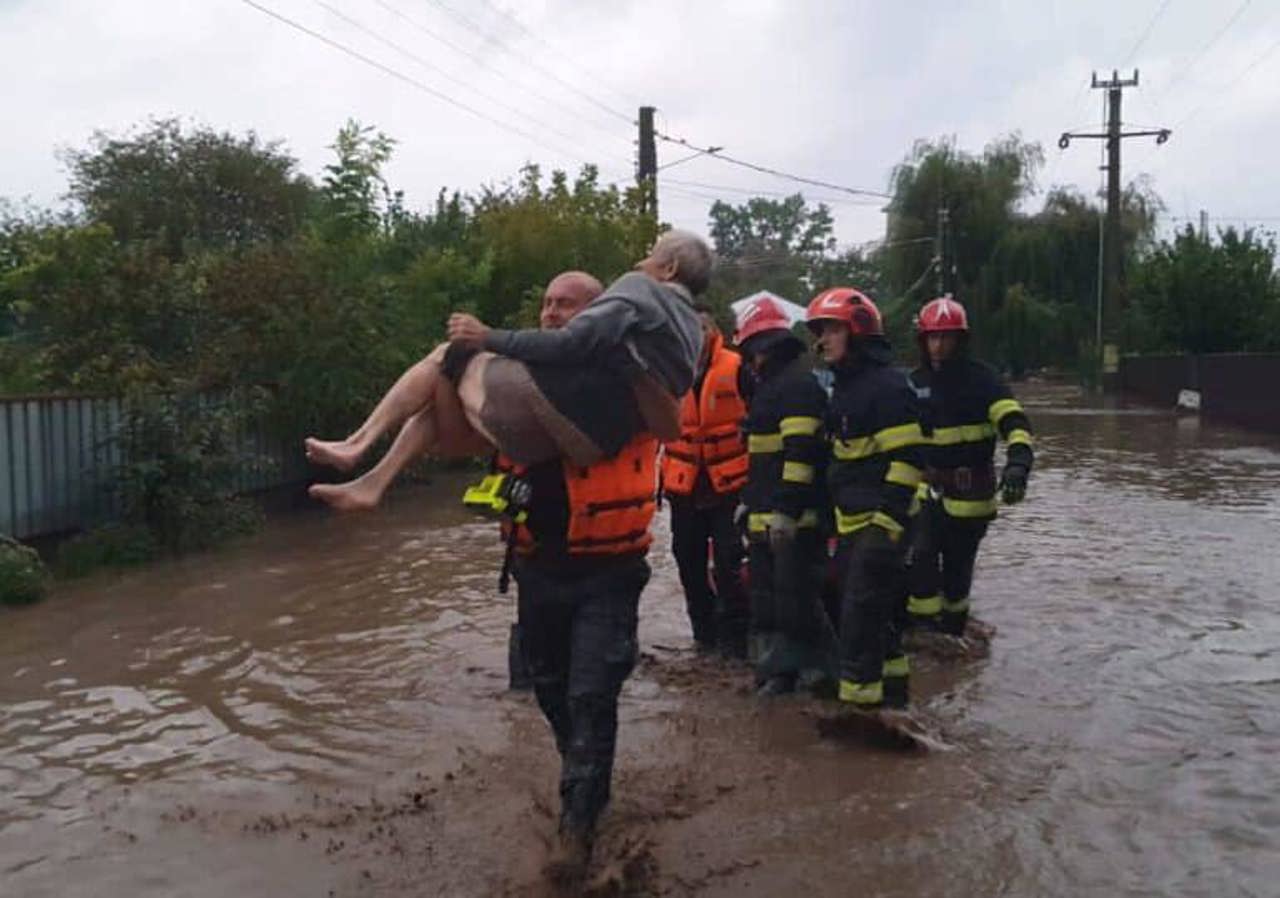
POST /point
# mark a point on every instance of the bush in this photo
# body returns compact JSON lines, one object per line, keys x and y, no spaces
{"x":112,"y":545}
{"x":183,"y":456}
{"x":23,"y":576}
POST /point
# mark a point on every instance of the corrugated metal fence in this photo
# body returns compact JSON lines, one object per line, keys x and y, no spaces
{"x":58,"y":455}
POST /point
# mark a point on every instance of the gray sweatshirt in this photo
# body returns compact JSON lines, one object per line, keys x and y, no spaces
{"x":636,"y":325}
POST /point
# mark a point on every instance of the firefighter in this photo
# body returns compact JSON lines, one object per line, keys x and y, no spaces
{"x":966,"y":406}
{"x":703,"y":474}
{"x":784,"y":504}
{"x":577,"y":541}
{"x":876,"y":464}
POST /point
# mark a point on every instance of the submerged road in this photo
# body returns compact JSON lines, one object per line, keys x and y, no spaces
{"x":322,"y":711}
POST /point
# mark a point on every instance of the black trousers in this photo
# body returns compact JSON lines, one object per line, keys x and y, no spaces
{"x":790,"y":631}
{"x":578,"y":633}
{"x":944,"y":550}
{"x":872,"y":612}
{"x":719,"y":614}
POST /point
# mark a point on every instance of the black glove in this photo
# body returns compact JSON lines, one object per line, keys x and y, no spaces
{"x":1013,"y":483}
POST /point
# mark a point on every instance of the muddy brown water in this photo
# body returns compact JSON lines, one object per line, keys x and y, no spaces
{"x":322,"y":712}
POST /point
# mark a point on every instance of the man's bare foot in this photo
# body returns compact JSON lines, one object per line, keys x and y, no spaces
{"x":339,"y":454}
{"x":353,"y":496}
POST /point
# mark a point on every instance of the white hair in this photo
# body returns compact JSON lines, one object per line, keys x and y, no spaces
{"x":692,"y":256}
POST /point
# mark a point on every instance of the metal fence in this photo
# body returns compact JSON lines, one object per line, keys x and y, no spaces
{"x":58,"y":455}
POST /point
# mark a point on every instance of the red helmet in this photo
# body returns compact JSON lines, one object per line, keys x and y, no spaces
{"x":850,"y":306}
{"x":760,"y":317}
{"x":942,"y":315}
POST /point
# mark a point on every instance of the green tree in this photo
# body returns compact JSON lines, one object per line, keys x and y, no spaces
{"x":183,"y":186}
{"x":1193,"y":294}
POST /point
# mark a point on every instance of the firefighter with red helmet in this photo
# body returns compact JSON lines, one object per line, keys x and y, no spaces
{"x":876,"y":463}
{"x":784,"y":503}
{"x":966,"y":406}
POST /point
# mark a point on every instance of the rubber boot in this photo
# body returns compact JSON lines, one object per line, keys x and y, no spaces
{"x":570,"y":855}
{"x":896,"y":693}
{"x":778,"y":684}
{"x":952,"y":623}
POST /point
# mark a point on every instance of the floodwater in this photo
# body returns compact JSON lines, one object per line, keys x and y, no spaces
{"x":322,"y":711}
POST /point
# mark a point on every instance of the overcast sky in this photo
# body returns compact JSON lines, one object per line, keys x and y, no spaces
{"x":836,"y":91}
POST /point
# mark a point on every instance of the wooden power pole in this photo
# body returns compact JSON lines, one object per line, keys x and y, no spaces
{"x":1113,"y":241}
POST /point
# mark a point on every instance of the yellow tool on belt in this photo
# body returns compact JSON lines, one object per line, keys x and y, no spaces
{"x":501,"y":495}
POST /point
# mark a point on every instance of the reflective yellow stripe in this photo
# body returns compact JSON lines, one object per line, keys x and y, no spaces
{"x":896,"y":667}
{"x":1019,"y":436}
{"x":924,"y":606}
{"x":758,"y":521}
{"x":955,"y":607}
{"x":797,"y":472}
{"x":969,"y":508}
{"x":904,"y":474}
{"x":800,"y":426}
{"x":965,"y":433}
{"x":862,"y":693}
{"x":851,"y":523}
{"x":896,"y":437}
{"x":764,"y":442}
{"x":854,"y":449}
{"x":1002,"y":407}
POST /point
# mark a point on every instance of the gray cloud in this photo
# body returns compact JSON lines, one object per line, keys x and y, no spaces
{"x":833,"y":90}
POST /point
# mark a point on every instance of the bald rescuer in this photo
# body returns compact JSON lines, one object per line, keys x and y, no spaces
{"x":566,"y":296}
{"x":966,"y":407}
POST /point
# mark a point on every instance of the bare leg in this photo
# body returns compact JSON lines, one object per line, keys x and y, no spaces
{"x":409,"y":394}
{"x":416,"y":438}
{"x":441,"y":429}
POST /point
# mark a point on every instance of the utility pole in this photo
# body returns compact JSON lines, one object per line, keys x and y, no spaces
{"x":1113,"y":248}
{"x":942,"y":274}
{"x":647,"y":170}
{"x":1204,"y":226}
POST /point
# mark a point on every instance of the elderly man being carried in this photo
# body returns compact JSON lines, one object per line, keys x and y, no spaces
{"x":617,"y":368}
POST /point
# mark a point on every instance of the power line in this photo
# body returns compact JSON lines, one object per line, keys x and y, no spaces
{"x":485,"y":65}
{"x":557,"y":51}
{"x":359,"y":26}
{"x":749,"y":191}
{"x":478,"y":29}
{"x":408,"y":79}
{"x":763,"y":169}
{"x":1186,"y":68}
{"x":1146,"y":33}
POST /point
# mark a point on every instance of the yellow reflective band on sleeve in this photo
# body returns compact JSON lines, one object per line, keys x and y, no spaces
{"x":924,"y":606}
{"x":880,"y":519}
{"x":957,"y":607}
{"x":892,"y":438}
{"x":854,"y":449}
{"x":1019,"y":437}
{"x":1002,"y":407}
{"x":862,"y":693}
{"x":969,"y":508}
{"x":965,"y":433}
{"x":797,"y":472}
{"x":904,"y":474}
{"x":758,"y":521}
{"x":897,"y":666}
{"x":761,"y":443}
{"x":800,"y":426}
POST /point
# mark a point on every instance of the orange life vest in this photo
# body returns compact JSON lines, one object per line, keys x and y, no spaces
{"x":710,"y":430}
{"x":611,"y":503}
